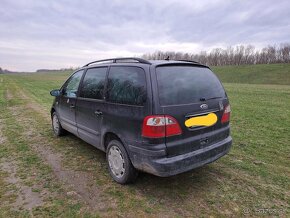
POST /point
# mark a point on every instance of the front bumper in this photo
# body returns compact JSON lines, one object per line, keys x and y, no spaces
{"x":169,"y":166}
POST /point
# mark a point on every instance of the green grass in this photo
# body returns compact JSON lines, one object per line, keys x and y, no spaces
{"x":254,"y":175}
{"x":255,"y":74}
{"x":31,"y":171}
{"x":39,"y":85}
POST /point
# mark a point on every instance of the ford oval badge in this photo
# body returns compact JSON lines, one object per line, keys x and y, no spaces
{"x":204,"y":106}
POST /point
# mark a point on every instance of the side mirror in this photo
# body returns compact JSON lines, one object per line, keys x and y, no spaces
{"x":55,"y":92}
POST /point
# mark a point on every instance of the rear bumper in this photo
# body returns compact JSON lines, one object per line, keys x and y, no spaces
{"x":163,"y":166}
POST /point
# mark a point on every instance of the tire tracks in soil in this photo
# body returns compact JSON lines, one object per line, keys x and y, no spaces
{"x":26,"y":198}
{"x":81,"y":183}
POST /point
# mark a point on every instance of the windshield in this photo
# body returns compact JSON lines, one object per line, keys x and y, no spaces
{"x":187,"y":84}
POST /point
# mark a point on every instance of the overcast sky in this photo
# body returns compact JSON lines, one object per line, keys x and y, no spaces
{"x":69,"y":33}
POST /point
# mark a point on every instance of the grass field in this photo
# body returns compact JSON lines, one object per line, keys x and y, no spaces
{"x":41,"y":175}
{"x":255,"y":74}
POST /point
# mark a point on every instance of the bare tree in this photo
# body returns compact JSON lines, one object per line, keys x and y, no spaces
{"x":230,"y":56}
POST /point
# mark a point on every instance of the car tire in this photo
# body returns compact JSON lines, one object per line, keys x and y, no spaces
{"x":56,"y":126}
{"x":119,"y":163}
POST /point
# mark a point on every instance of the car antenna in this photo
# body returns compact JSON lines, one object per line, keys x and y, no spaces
{"x":167,"y":59}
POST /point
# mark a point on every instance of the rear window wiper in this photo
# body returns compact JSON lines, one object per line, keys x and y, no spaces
{"x":205,"y":99}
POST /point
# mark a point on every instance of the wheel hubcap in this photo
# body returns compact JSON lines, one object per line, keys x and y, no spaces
{"x":55,"y":124}
{"x":116,"y":161}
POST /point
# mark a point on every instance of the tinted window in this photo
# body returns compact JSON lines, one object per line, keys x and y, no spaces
{"x":187,"y":84}
{"x":126,"y":85}
{"x":93,"y":83}
{"x":71,"y":87}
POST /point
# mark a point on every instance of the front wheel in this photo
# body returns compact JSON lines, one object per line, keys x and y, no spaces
{"x":56,"y":126}
{"x":119,"y":164}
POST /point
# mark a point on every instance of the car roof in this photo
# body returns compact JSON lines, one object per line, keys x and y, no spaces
{"x":138,"y":61}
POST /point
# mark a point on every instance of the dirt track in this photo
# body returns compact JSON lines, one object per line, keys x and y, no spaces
{"x":80,"y":185}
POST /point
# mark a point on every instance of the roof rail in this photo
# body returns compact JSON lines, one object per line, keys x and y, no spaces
{"x":195,"y":62}
{"x":115,"y":60}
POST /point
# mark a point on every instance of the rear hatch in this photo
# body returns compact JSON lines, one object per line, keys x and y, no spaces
{"x":188,"y":91}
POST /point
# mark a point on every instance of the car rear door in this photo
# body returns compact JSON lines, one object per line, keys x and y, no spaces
{"x":127,"y":102}
{"x":90,"y":105}
{"x":67,"y":102}
{"x":185,"y":92}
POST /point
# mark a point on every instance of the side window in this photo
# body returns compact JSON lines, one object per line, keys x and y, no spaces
{"x":71,"y":87}
{"x":93,"y":83}
{"x":126,"y":85}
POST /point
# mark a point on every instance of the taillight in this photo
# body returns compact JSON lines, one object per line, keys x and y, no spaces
{"x":158,"y":126}
{"x":226,"y":114}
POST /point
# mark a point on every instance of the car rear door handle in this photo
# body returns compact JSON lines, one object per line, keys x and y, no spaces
{"x":98,"y":112}
{"x":72,"y":106}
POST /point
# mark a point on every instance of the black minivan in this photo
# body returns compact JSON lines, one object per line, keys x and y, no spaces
{"x":161,"y":117}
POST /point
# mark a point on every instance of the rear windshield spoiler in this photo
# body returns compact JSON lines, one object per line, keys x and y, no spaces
{"x":180,"y":63}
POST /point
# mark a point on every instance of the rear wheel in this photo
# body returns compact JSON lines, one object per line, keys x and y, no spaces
{"x":56,"y":126}
{"x":119,"y":164}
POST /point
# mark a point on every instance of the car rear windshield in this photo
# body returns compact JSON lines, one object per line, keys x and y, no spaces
{"x":187,"y":84}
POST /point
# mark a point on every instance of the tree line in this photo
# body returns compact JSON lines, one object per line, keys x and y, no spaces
{"x":238,"y":55}
{"x":2,"y":71}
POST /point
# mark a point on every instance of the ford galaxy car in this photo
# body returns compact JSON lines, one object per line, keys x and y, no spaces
{"x":161,"y":117}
